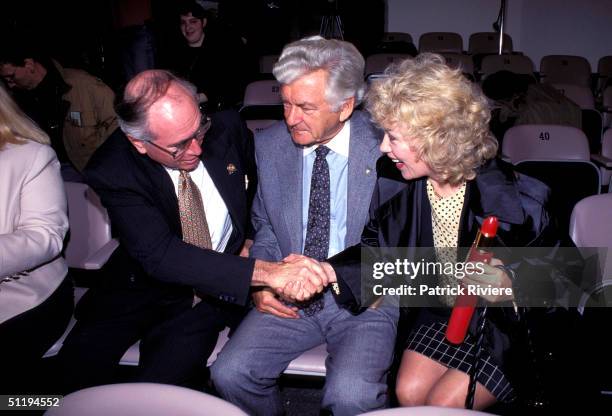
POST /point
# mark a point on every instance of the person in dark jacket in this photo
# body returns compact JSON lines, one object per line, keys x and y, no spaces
{"x":213,"y":58}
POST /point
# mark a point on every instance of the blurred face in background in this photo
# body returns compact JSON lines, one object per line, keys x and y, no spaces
{"x":192,"y":29}
{"x":19,"y":77}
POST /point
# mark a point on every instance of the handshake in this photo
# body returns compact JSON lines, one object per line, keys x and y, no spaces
{"x":296,"y":278}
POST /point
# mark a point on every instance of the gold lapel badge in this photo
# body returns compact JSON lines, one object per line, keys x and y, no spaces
{"x":231,"y":169}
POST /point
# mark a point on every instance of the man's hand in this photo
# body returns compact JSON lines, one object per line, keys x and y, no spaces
{"x":266,"y":302}
{"x":303,"y":276}
{"x":293,"y":289}
{"x":327,"y":268}
{"x":244,"y":251}
{"x":491,"y":276}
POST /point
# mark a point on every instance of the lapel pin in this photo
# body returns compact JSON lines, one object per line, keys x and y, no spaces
{"x":231,"y":169}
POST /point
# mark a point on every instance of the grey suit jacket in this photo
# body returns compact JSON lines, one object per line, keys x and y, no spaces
{"x":277,"y":208}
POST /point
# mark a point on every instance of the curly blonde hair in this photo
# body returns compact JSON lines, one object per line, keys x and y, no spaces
{"x":444,"y":113}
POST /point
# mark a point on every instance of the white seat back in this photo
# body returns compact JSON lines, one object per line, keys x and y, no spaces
{"x":263,"y":92}
{"x":545,"y":141}
{"x":90,"y":228}
{"x":142,"y":399}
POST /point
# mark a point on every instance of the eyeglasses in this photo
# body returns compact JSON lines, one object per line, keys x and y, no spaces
{"x":180,"y":148}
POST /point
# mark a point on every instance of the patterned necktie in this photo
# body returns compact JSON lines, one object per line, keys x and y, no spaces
{"x":316,"y":244}
{"x":193,"y":218}
{"x":191,"y":210}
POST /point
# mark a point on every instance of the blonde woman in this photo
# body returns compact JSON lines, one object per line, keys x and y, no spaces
{"x":35,"y":296}
{"x":438,"y":181}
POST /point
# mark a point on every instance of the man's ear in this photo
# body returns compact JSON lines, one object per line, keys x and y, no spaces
{"x":28,"y":64}
{"x":204,"y":22}
{"x":346,"y":109}
{"x":138,"y":144}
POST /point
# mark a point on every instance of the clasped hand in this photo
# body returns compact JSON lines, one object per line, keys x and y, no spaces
{"x":298,"y":278}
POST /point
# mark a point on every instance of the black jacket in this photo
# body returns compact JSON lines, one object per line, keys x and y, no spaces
{"x":400,"y":216}
{"x":143,"y":210}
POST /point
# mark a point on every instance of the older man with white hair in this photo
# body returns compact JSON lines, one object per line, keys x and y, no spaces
{"x":316,"y":174}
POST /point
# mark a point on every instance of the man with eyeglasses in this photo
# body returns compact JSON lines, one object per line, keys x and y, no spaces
{"x":173,"y":181}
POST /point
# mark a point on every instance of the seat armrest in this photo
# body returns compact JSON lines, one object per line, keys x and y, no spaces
{"x":100,"y":257}
{"x":602,"y":160}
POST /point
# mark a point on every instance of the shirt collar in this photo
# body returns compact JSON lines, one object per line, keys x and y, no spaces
{"x":338,"y":144}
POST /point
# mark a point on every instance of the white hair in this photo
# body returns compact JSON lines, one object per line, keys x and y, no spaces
{"x":342,"y":61}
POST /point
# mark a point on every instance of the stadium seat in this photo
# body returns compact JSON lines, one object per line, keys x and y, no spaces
{"x":519,"y":64}
{"x":569,"y":181}
{"x":439,"y":42}
{"x":487,"y":43}
{"x":545,"y":141}
{"x":142,"y":399}
{"x":581,"y":95}
{"x":607,"y":107}
{"x":262,"y":101}
{"x":310,"y":363}
{"x":378,"y":62}
{"x":425,"y":411}
{"x":604,"y":72}
{"x":90,"y":243}
{"x":565,"y":69}
{"x":461,"y":61}
{"x":604,"y":160}
{"x":397,"y":37}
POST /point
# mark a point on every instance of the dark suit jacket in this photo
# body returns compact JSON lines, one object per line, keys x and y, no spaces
{"x":143,"y":209}
{"x":400,"y":216}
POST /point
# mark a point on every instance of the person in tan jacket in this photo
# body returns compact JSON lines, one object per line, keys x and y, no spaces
{"x":73,"y":107}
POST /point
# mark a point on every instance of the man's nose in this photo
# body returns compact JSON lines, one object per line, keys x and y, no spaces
{"x":293,"y":116}
{"x":384,"y":145}
{"x":195,"y":147}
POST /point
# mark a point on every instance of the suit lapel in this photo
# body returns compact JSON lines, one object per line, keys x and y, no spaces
{"x":223,"y":167}
{"x":165,"y":189}
{"x":290,"y":171}
{"x":363,"y":153}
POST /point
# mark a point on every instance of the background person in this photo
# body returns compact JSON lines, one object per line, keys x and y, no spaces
{"x":36,"y":298}
{"x":74,"y":108}
{"x":212,"y":57}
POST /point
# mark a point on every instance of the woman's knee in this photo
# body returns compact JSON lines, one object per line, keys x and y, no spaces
{"x":409,"y":395}
{"x":437,"y":397}
{"x":410,"y":392}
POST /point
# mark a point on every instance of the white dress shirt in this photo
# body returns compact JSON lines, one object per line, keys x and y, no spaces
{"x":217,"y":215}
{"x":337,"y":160}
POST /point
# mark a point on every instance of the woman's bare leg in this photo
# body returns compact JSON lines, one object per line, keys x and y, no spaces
{"x":450,"y":390}
{"x":416,"y":377}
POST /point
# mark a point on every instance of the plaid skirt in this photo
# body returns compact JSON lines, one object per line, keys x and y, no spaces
{"x":430,"y":341}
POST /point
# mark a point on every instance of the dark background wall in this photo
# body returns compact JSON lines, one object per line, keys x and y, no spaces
{"x":88,"y":34}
